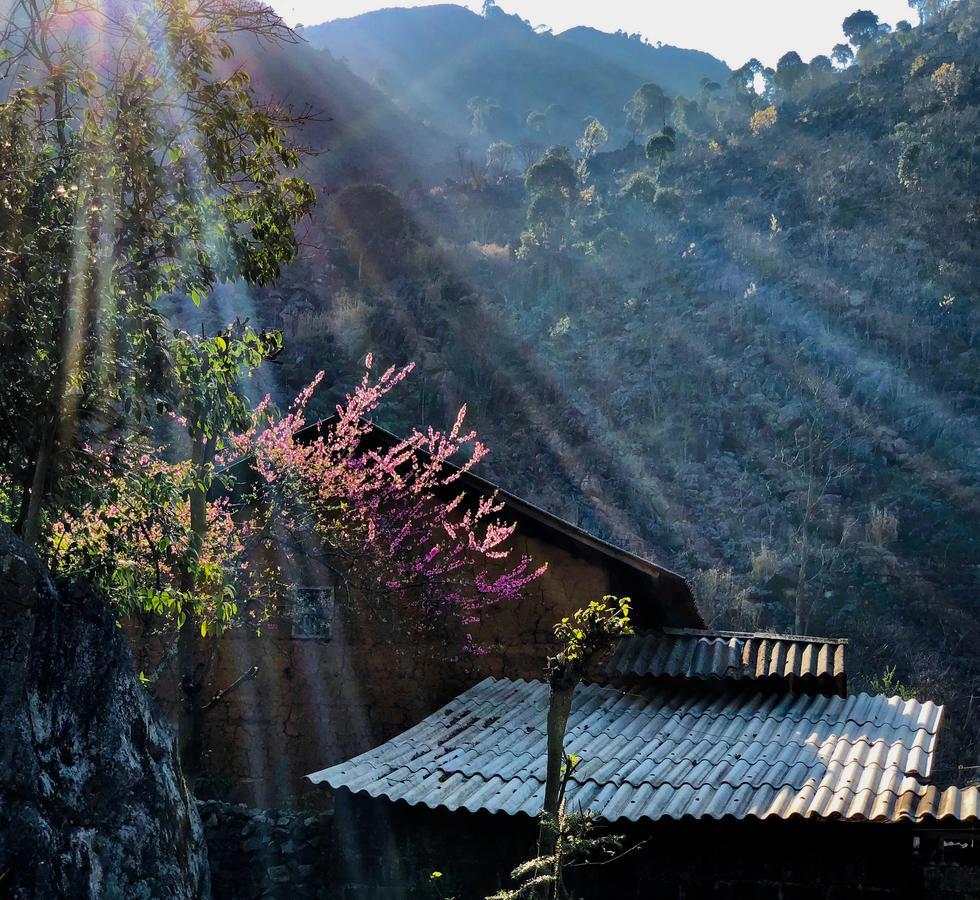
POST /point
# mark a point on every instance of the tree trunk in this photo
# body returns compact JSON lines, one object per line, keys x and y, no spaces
{"x":42,"y":478}
{"x":35,"y":506}
{"x":559,"y":708}
{"x":190,"y":721}
{"x":192,"y":667}
{"x":801,"y":585}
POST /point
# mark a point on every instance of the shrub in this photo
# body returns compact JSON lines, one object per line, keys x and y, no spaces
{"x":763,"y":120}
{"x":764,"y":563}
{"x":890,"y":686}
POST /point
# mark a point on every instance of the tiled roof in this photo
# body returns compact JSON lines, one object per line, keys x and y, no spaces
{"x":689,"y":653}
{"x":671,"y":752}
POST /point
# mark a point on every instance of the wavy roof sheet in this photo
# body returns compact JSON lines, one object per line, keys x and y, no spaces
{"x":669,"y":753}
{"x":690,"y":653}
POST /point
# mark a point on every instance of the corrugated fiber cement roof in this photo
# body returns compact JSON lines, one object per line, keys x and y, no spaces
{"x":689,"y":653}
{"x":675,"y":752}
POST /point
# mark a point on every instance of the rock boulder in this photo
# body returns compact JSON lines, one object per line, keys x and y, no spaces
{"x":92,"y":802}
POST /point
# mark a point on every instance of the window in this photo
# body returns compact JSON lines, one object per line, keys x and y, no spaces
{"x":312,"y":613}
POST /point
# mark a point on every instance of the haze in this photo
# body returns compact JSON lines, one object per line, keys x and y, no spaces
{"x":733,"y":32}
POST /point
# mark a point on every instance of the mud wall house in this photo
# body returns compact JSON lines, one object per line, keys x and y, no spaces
{"x":732,"y":765}
{"x":332,"y":683}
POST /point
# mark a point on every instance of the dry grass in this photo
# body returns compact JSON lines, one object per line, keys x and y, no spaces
{"x":764,"y":563}
{"x":882,"y":528}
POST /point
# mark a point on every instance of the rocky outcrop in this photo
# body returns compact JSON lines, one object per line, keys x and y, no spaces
{"x":92,"y":802}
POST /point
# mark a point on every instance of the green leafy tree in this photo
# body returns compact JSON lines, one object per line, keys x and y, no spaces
{"x":929,"y":9}
{"x":861,"y":28}
{"x":552,"y":175}
{"x":551,"y":185}
{"x":888,"y":684}
{"x":647,"y":109}
{"x":546,"y":211}
{"x":742,"y":79}
{"x":208,"y":402}
{"x":790,"y":71}
{"x":690,"y":117}
{"x":136,"y":165}
{"x":843,"y":55}
{"x":661,"y":146}
{"x":904,"y":34}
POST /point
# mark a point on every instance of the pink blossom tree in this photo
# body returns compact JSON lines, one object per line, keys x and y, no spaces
{"x":392,"y":523}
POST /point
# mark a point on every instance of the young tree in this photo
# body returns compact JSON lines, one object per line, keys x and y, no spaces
{"x":593,"y":139}
{"x":551,"y":185}
{"x":132,"y":169}
{"x":586,"y":634}
{"x":661,"y":146}
{"x":813,"y":467}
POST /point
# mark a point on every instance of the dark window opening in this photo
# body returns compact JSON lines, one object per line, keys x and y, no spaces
{"x":312,"y":614}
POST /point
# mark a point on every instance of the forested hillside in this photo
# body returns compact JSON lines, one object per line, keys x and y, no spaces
{"x":495,"y":75}
{"x":354,"y":131}
{"x":744,"y":343}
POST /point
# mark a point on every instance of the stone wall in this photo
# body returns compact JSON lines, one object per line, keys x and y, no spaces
{"x":355,"y":852}
{"x":267,"y":853}
{"x":315,"y":703}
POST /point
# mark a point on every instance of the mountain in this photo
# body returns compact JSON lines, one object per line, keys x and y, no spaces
{"x":675,"y":69}
{"x":434,"y":59}
{"x":755,"y":358}
{"x":355,"y":131}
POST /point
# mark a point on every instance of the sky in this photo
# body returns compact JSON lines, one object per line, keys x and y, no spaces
{"x":732,"y":31}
